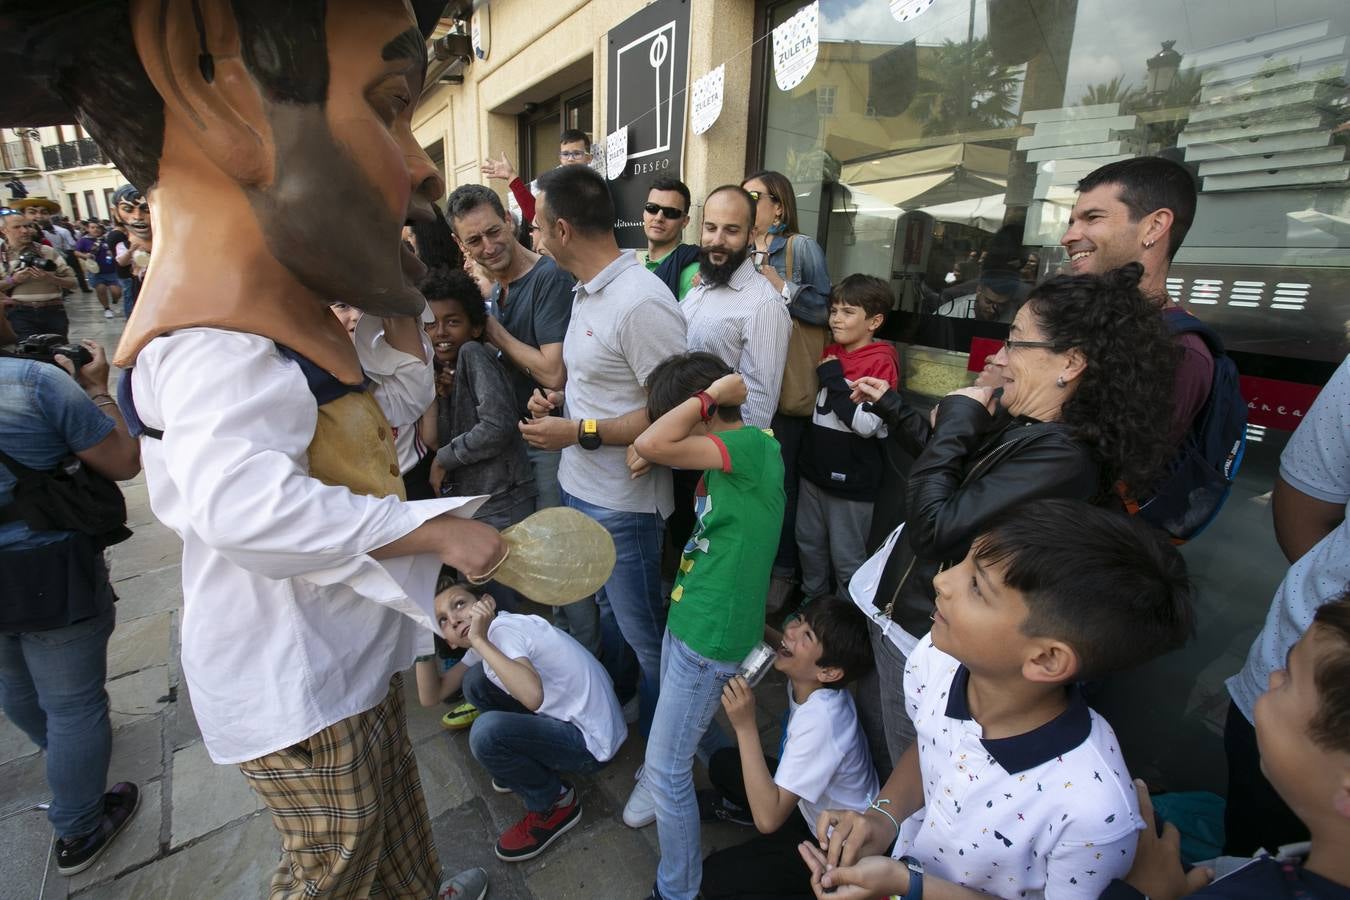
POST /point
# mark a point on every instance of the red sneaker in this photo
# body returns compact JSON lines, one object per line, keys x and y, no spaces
{"x":532,"y":835}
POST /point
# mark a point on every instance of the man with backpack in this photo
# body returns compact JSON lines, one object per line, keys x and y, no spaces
{"x":1139,"y":210}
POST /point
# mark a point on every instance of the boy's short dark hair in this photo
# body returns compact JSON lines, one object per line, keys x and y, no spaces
{"x":580,"y":195}
{"x":456,"y":285}
{"x":677,"y":378}
{"x":1330,"y":725}
{"x":1148,"y":184}
{"x":671,"y":183}
{"x":572,"y":135}
{"x":845,"y":644}
{"x":867,"y":292}
{"x":1104,"y":583}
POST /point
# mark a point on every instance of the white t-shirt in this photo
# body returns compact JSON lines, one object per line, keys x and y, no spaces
{"x":1316,"y":462}
{"x":577,"y":689}
{"x":1050,"y":813}
{"x":825,"y":760}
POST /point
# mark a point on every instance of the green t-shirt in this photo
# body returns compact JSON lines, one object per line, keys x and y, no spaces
{"x":686,"y":274}
{"x":717,"y":606}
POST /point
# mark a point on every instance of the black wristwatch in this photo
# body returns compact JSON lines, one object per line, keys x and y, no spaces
{"x":588,"y":434}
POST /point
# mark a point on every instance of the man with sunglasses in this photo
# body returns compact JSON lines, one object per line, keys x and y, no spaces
{"x":664,"y":217}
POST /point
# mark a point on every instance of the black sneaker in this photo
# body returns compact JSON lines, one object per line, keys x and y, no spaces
{"x":713,"y":807}
{"x":119,"y":805}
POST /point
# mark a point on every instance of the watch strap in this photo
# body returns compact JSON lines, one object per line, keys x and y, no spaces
{"x":707,"y":405}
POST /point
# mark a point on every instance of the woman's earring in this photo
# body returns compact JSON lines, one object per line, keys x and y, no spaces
{"x":1059,"y":382}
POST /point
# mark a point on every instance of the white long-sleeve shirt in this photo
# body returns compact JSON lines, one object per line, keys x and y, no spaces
{"x":744,"y":323}
{"x":288,"y":624}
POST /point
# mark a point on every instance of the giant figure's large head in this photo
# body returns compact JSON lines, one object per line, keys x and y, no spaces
{"x":296,"y":113}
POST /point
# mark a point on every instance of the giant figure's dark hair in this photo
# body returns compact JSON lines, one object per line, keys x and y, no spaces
{"x":1122,"y":409}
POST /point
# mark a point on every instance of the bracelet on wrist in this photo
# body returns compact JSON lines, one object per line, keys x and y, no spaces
{"x":880,"y":806}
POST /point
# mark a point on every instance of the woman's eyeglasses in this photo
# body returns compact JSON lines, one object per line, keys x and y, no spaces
{"x":1013,"y":345}
{"x":754,"y":195}
{"x":669,"y":212}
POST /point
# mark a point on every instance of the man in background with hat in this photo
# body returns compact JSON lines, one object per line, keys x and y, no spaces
{"x":32,"y":277}
{"x":40,"y":211}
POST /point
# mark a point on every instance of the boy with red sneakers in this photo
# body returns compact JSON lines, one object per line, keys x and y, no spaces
{"x":547,"y":706}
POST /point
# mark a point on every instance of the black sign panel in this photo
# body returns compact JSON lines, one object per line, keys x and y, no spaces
{"x":648,"y":82}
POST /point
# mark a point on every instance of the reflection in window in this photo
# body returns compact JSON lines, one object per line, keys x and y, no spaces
{"x":942,"y":152}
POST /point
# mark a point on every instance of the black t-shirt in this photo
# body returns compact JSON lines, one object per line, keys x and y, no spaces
{"x":114,"y":238}
{"x":537,"y":309}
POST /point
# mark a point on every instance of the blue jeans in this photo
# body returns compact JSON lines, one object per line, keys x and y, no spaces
{"x":631,"y":612}
{"x":523,"y":751}
{"x":52,"y":687}
{"x":130,"y":288}
{"x":691,"y":692}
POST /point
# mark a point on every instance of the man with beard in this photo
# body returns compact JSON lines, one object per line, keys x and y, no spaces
{"x":307,"y":579}
{"x":32,"y":277}
{"x":734,"y":313}
{"x":664,"y":217}
{"x":131,"y":242}
{"x":40,"y":211}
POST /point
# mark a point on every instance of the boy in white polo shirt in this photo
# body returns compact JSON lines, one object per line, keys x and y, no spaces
{"x":1014,"y":787}
{"x":546,"y":704}
{"x":823,"y":761}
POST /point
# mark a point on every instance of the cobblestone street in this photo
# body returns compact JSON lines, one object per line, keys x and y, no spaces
{"x":201,"y":833}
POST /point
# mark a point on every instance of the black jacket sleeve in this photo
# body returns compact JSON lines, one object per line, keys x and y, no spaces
{"x":944,"y":515}
{"x":904,"y":424}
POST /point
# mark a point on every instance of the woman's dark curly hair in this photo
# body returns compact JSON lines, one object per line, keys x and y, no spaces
{"x":1122,"y":409}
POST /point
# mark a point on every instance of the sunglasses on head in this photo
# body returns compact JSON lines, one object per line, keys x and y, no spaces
{"x":669,"y":212}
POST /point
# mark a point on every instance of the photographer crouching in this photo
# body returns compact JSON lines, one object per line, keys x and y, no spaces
{"x":62,"y":442}
{"x":32,"y":276}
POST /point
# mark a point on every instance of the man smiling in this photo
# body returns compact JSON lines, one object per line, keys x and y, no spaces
{"x":262,"y":124}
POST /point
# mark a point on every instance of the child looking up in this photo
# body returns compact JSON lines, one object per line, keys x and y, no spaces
{"x":823,"y":759}
{"x":545,"y":706}
{"x":841,"y":462}
{"x":1014,"y":786}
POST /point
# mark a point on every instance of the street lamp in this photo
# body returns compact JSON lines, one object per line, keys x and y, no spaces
{"x":1162,"y":69}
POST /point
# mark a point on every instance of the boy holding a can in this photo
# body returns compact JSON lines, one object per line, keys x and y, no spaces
{"x":717,"y":606}
{"x":823,"y":761}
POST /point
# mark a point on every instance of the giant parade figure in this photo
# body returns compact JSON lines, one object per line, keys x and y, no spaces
{"x":273,"y":141}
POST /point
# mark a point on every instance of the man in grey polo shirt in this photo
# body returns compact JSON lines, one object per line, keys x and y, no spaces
{"x":624,"y":321}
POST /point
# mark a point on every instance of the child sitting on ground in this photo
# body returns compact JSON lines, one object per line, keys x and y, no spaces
{"x":841,"y":462}
{"x":717,"y":606}
{"x":1303,"y":727}
{"x":823,"y":759}
{"x":545,"y":706}
{"x":1013,"y":786}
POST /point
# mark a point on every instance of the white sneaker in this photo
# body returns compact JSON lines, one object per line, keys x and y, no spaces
{"x":107,"y":314}
{"x":640,"y":810}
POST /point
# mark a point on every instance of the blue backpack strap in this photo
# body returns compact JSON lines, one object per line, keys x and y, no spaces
{"x":1180,"y":322}
{"x":126,"y":402}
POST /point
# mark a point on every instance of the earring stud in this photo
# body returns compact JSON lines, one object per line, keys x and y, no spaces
{"x":1059,"y":382}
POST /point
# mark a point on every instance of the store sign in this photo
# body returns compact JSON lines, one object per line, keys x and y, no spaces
{"x":1272,"y":403}
{"x":795,"y":44}
{"x":616,"y":153}
{"x":707,"y":99}
{"x":648,"y":77}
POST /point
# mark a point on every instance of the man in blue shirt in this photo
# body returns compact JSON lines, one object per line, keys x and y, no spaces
{"x":52,"y":675}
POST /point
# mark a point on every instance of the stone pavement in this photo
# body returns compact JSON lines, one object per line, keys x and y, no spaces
{"x":200,"y":833}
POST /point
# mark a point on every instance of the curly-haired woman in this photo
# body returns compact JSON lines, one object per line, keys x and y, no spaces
{"x":1088,"y":402}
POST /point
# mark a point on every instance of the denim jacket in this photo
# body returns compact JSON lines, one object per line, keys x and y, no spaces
{"x":808,"y":287}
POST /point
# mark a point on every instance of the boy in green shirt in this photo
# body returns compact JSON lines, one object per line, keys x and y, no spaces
{"x":717,"y":606}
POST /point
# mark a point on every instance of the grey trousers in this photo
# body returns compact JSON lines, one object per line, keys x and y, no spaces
{"x":581,"y":619}
{"x":881,"y":703}
{"x":831,"y":538}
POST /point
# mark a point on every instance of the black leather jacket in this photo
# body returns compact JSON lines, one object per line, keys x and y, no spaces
{"x":971,"y":467}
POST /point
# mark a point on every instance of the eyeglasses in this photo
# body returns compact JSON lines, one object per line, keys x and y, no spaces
{"x":1044,"y":345}
{"x":754,"y":195}
{"x":669,"y":212}
{"x":572,"y":154}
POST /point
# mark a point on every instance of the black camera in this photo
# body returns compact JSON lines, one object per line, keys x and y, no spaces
{"x":31,"y":259}
{"x":45,"y":347}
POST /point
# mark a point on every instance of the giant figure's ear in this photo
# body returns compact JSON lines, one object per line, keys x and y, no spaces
{"x":190,"y":49}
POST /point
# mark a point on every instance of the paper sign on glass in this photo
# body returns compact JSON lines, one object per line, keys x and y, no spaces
{"x":708,"y":99}
{"x":904,"y":10}
{"x":616,"y":152}
{"x":795,"y":44}
{"x":480,"y":32}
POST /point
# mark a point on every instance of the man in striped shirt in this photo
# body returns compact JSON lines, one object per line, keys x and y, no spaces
{"x":734,"y":313}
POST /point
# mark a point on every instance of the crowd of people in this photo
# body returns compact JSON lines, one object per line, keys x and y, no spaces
{"x":727,"y":412}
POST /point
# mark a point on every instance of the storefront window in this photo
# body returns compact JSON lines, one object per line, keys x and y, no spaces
{"x":919,"y":148}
